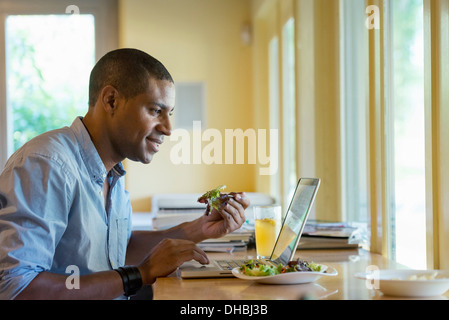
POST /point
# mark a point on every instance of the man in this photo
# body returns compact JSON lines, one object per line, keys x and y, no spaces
{"x":63,"y":202}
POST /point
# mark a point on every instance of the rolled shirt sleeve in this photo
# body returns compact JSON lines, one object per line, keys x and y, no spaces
{"x":33,"y":219}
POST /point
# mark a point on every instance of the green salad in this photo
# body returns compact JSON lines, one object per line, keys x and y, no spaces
{"x":215,"y":199}
{"x":256,"y":269}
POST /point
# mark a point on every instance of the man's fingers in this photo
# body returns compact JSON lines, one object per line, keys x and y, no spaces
{"x":168,"y":255}
{"x":236,"y":210}
{"x":241,"y":198}
{"x":189,"y":250}
{"x":201,"y":257}
{"x":233,"y":213}
{"x":197,"y":254}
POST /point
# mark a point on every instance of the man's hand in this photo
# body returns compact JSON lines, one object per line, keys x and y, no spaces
{"x":172,"y":250}
{"x":167,"y":256}
{"x":227,"y":219}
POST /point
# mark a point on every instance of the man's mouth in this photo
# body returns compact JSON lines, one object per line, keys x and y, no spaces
{"x":154,"y":143}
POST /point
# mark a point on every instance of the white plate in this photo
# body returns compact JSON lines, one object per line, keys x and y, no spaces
{"x":395,"y":283}
{"x":289,"y":277}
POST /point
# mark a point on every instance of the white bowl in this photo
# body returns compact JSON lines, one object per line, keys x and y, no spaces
{"x":398,"y":283}
{"x":289,"y":277}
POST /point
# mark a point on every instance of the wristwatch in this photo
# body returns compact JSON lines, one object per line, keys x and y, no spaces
{"x":132,"y":279}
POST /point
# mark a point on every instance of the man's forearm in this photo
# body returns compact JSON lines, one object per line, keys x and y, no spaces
{"x":100,"y":285}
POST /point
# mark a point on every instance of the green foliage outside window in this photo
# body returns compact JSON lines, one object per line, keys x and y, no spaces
{"x":48,"y":63}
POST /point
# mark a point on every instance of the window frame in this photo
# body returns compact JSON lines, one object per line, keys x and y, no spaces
{"x":436,"y":95}
{"x":314,"y":46}
{"x":436,"y":79}
{"x":105,"y":13}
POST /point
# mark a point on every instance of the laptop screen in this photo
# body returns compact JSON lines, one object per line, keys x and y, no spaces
{"x":295,"y":220}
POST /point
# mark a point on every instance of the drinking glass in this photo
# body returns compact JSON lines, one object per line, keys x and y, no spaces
{"x":267,"y":220}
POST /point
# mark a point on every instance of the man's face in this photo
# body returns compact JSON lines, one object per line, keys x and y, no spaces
{"x":140,"y":123}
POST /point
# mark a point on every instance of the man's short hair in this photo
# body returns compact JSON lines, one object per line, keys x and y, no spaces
{"x":128,"y":71}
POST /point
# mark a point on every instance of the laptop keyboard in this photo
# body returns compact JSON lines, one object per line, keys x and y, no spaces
{"x":231,"y":264}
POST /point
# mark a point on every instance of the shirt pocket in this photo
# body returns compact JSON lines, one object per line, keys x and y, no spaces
{"x":118,"y":241}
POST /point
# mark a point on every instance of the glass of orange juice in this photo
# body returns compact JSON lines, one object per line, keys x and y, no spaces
{"x":267,"y":221}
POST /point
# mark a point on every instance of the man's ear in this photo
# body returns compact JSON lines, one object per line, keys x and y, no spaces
{"x":109,"y":97}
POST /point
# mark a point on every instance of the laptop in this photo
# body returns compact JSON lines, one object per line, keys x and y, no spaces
{"x":286,"y":242}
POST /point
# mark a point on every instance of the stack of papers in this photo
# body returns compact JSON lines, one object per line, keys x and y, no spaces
{"x":329,"y":235}
{"x":234,"y":241}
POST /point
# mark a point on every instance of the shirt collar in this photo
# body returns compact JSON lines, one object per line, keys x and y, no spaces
{"x":90,"y":155}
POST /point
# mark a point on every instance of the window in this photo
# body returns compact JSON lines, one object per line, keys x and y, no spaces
{"x":289,"y":109}
{"x":407,"y":136}
{"x":273,"y":69}
{"x":403,"y":125}
{"x":393,"y":117}
{"x":47,"y":55}
{"x":48,"y":62}
{"x":354,"y":74}
{"x":190,"y":104}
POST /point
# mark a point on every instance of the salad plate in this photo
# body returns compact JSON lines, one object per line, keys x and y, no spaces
{"x":297,"y":277}
{"x":408,"y":283}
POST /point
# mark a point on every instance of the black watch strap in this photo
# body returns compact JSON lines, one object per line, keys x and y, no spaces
{"x":132,"y":279}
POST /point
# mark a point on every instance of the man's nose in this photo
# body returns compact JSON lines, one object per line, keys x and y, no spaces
{"x":165,"y":126}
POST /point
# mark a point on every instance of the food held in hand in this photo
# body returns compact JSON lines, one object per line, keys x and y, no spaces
{"x":252,"y":268}
{"x":215,"y":199}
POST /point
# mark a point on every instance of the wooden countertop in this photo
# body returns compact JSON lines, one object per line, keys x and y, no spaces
{"x":344,"y":286}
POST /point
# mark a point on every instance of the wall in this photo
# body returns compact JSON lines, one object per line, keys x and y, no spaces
{"x":197,"y":40}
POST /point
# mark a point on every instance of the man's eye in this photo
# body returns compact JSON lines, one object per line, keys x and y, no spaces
{"x":155,"y":111}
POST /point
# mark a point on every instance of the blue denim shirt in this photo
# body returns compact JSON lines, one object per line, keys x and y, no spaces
{"x":52,"y":210}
